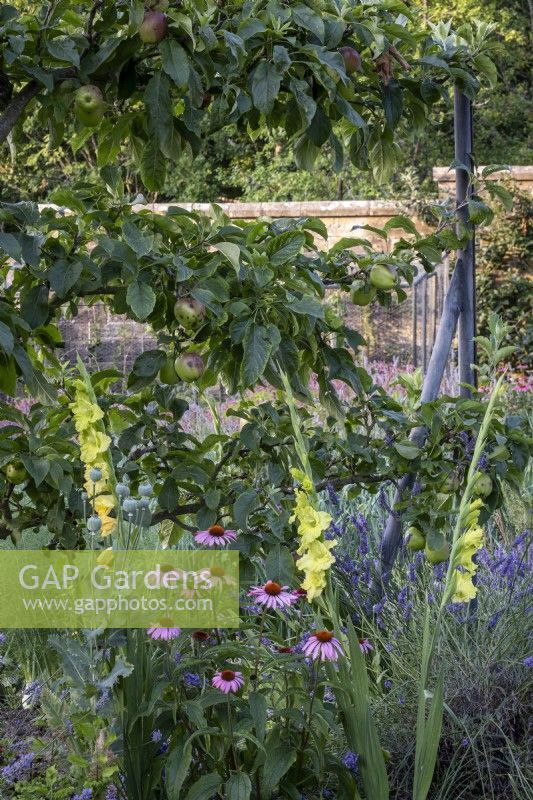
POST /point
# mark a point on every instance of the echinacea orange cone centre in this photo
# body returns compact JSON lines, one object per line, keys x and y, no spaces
{"x":227,"y":675}
{"x":216,"y":530}
{"x":272,"y":588}
{"x":324,"y":636}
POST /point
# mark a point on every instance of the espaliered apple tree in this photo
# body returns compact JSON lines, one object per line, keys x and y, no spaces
{"x":228,"y":301}
{"x":237,"y":303}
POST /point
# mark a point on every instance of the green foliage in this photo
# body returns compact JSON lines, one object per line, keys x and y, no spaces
{"x":257,"y":68}
{"x":504,"y":284}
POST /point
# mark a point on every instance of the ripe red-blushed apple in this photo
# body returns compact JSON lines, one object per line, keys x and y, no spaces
{"x":189,"y":366}
{"x":154,"y":27}
{"x":89,"y":105}
{"x":352,"y":59}
{"x":189,"y":312}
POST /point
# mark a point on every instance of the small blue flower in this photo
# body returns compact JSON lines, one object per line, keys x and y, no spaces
{"x":387,"y":684}
{"x":528,"y":661}
{"x":351,"y":761}
{"x":85,"y":794}
{"x":192,"y":680}
{"x":164,"y":748}
{"x":18,"y":769}
{"x":156,"y":736}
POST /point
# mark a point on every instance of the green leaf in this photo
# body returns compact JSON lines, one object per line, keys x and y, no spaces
{"x":285,"y":247}
{"x":37,"y":384}
{"x":205,"y":787}
{"x":148,"y":364}
{"x":350,"y":113}
{"x":121,"y":669}
{"x":6,"y":339}
{"x":307,"y":305}
{"x":238,"y":787}
{"x":158,"y":103}
{"x":305,"y":153}
{"x":279,"y":564}
{"x":427,"y":733}
{"x":393,"y":103}
{"x":141,"y":299}
{"x":501,"y":193}
{"x":487,"y":68}
{"x":63,"y":49}
{"x":177,"y":766}
{"x":231,"y":251}
{"x":34,"y":306}
{"x":257,"y":703}
{"x":139,"y":242}
{"x":174,"y":61}
{"x":400,"y":222}
{"x":152,"y":167}
{"x":10,"y":246}
{"x":279,"y":759}
{"x":8,"y":376}
{"x":266,"y":82}
{"x":383,"y":157}
{"x":168,"y":497}
{"x":37,"y":467}
{"x":305,"y":102}
{"x":62,"y":276}
{"x":243,"y":506}
{"x":407,"y":450}
{"x":257,"y":347}
{"x":306,"y":18}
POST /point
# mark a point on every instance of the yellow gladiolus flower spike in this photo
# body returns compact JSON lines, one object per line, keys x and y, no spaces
{"x":464,"y":588}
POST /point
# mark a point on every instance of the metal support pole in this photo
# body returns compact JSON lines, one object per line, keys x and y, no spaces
{"x":459,"y":310}
{"x":425,"y":325}
{"x":414,"y":321}
{"x":467,"y":317}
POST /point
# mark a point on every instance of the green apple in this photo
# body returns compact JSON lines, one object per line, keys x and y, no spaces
{"x":382,"y":276}
{"x":189,"y":312}
{"x":352,"y":59}
{"x":362,"y":296}
{"x":16,"y":472}
{"x":415,"y":539}
{"x":190,"y":366}
{"x":452,"y":483}
{"x":167,"y":373}
{"x":154,"y":27}
{"x":439,"y":555}
{"x":483,"y":486}
{"x":89,"y":105}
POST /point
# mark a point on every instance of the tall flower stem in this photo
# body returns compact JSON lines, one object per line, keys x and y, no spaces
{"x":255,"y":674}
{"x":231,"y":735}
{"x":306,"y":730}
